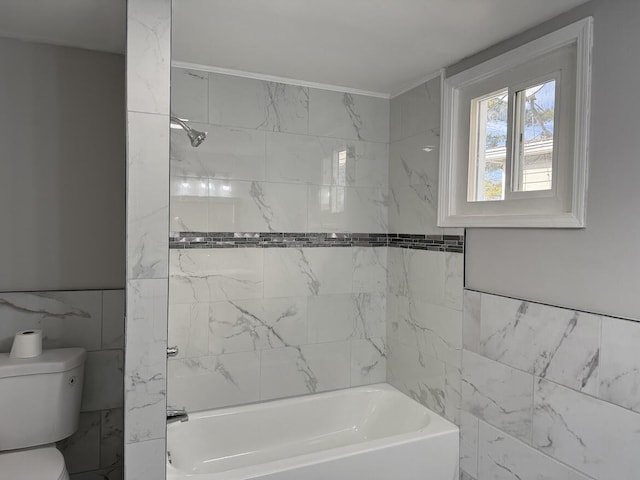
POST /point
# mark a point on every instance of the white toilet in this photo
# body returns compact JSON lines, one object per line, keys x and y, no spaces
{"x":39,"y":405}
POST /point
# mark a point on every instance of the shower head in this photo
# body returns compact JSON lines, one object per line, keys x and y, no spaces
{"x":195,"y":137}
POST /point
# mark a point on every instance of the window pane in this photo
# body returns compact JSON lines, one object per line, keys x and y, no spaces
{"x":533,"y":166}
{"x":488,"y":147}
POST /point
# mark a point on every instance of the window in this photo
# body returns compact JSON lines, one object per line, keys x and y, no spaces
{"x":514,"y":136}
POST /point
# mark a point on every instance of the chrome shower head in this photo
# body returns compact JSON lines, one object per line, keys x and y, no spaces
{"x":195,"y":136}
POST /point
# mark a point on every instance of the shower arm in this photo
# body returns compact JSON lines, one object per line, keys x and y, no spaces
{"x":180,"y":122}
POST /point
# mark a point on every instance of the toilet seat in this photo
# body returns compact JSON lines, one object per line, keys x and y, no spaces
{"x":41,"y":463}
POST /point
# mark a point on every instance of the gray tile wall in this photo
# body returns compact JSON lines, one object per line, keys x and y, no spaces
{"x":92,"y":319}
{"x":547,"y":392}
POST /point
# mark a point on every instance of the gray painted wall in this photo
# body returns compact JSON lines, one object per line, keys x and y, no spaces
{"x":62,"y":168}
{"x":595,"y":269}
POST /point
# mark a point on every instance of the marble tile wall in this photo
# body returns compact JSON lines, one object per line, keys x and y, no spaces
{"x":547,"y":392}
{"x":148,"y":86}
{"x":255,"y":324}
{"x":278,"y":157}
{"x":424,"y":327}
{"x":424,"y":288}
{"x":414,"y":152}
{"x":94,"y":320}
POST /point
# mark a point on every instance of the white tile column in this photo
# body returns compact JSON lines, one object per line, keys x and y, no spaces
{"x":148,"y":78}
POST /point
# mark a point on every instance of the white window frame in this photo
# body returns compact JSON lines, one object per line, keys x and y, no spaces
{"x":535,"y":209}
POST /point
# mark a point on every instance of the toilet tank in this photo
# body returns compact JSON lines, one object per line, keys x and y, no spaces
{"x":40,"y":397}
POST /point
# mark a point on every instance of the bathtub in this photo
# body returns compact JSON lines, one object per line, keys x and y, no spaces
{"x":364,"y":433}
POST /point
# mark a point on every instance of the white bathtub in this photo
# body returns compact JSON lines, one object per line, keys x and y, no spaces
{"x":365,"y":433}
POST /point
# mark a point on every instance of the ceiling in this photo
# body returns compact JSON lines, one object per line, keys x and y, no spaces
{"x":380,"y":46}
{"x":90,"y":24}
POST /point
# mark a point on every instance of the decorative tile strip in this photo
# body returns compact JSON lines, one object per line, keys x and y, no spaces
{"x":438,"y":243}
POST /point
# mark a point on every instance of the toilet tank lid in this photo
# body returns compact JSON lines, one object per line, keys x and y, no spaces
{"x":50,"y":361}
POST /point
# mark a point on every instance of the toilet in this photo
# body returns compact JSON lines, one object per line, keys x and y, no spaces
{"x":39,"y":405}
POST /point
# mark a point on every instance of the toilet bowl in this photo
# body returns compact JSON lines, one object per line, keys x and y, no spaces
{"x":39,"y":463}
{"x":39,"y":405}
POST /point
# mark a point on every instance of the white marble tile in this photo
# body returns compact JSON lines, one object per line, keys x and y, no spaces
{"x":395,"y":119}
{"x":228,"y":153}
{"x":111,"y":438}
{"x":190,"y":95}
{"x":600,"y":439}
{"x":452,"y":393}
{"x":502,"y":457}
{"x":558,"y":344}
{"x":497,"y":394}
{"x":146,"y":460}
{"x":372,"y":165}
{"x":247,"y":325}
{"x":344,"y":115}
{"x":306,"y":369}
{"x":210,"y":275}
{"x":331,"y":318}
{"x":431,"y":329}
{"x":346,"y":317}
{"x":368,"y":361}
{"x":216,"y":381}
{"x":148,"y":55}
{"x":113,"y":319}
{"x":326,"y":161}
{"x":82,"y":450}
{"x":189,"y":204}
{"x":250,"y":103}
{"x":103,"y":386}
{"x":619,"y":363}
{"x":236,"y":206}
{"x":454,"y":280}
{"x":413,"y":209}
{"x":416,"y":374}
{"x":471,"y":320}
{"x":146,"y":359}
{"x":147,"y":195}
{"x":307,"y":271}
{"x":189,"y":328}
{"x":309,"y":159}
{"x":420,"y":109}
{"x":347,"y":209}
{"x":369,"y":269}
{"x":414,"y":161}
{"x":424,"y":275}
{"x":67,"y":319}
{"x":469,"y":443}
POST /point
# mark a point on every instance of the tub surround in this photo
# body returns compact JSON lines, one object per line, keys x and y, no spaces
{"x":253,"y":321}
{"x":94,"y":320}
{"x":243,"y":308}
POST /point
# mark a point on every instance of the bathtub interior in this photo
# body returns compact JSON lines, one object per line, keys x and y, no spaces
{"x":226,"y":439}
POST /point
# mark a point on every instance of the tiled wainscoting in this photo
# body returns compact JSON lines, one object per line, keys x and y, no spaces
{"x":548,"y":392}
{"x":93,"y":320}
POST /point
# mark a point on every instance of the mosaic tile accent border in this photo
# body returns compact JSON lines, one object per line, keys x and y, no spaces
{"x":438,"y":243}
